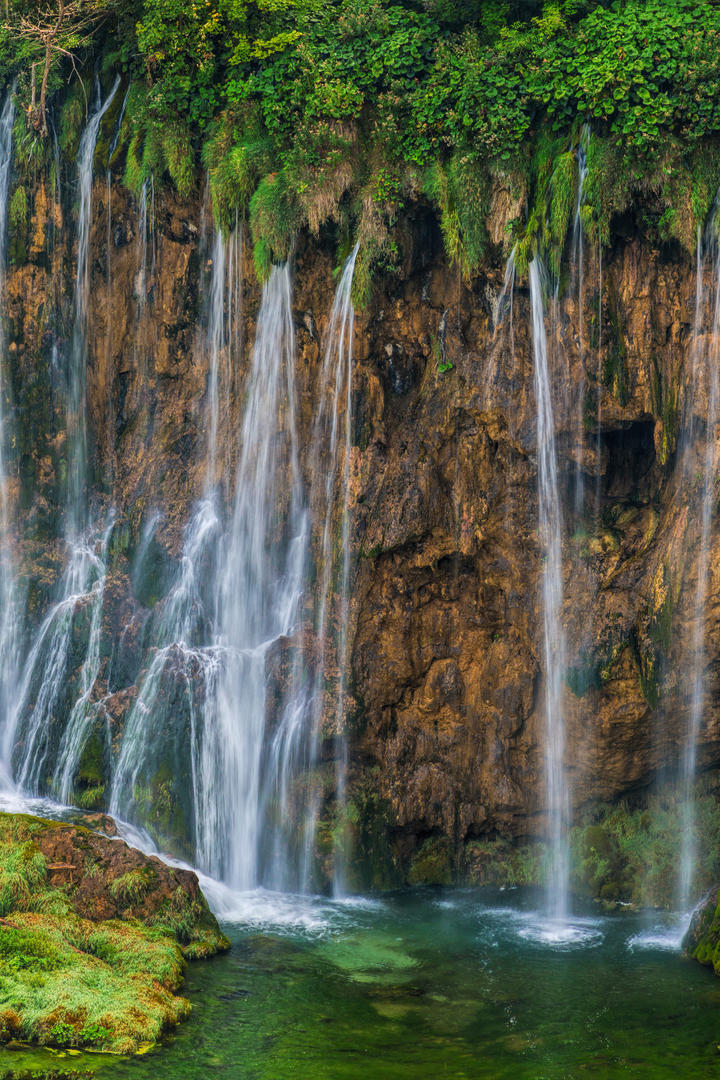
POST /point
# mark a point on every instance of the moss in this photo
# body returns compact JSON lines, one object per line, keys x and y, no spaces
{"x":432,"y":864}
{"x":72,"y":121}
{"x":630,"y":853}
{"x":503,"y":863}
{"x":74,"y":983}
{"x":68,"y":981}
{"x":17,"y":221}
{"x":666,"y":408}
{"x":132,"y":886}
{"x":92,"y":798}
{"x":461,"y":191}
{"x":179,"y":156}
{"x":237,"y":155}
{"x":703,"y":940}
{"x":562,"y":202}
{"x":274,"y":220}
{"x":372,"y":858}
{"x":160,"y":805}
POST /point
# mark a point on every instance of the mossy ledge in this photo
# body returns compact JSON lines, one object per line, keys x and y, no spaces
{"x":94,"y":937}
{"x":702,"y":941}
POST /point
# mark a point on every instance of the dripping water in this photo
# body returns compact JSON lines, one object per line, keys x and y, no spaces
{"x":550,"y":532}
{"x":578,"y":270}
{"x":46,"y":754}
{"x":330,"y":472}
{"x":10,"y":598}
{"x":76,"y":497}
{"x":700,"y":440}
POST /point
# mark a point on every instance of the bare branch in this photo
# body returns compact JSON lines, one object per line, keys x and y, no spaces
{"x":53,"y":28}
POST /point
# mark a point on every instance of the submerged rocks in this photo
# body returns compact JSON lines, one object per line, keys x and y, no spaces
{"x":94,"y":937}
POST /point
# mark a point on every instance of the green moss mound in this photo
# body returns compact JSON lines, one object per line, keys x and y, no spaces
{"x":702,"y":941}
{"x":94,"y":938}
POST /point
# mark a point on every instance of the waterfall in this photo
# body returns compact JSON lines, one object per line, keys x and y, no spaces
{"x":577,"y":262}
{"x":10,"y":600}
{"x":232,"y":657}
{"x":183,"y":670}
{"x":703,"y":382}
{"x":260,"y":589}
{"x":76,"y":513}
{"x":505,"y":301}
{"x":550,"y":531}
{"x":47,"y":752}
{"x":330,"y":484}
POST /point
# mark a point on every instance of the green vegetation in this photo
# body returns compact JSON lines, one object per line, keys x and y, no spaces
{"x":67,"y":980}
{"x":501,"y":862}
{"x":631,"y":854}
{"x":432,"y":863}
{"x":305,"y":113}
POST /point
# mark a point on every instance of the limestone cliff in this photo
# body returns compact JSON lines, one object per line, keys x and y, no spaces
{"x":446,"y":711}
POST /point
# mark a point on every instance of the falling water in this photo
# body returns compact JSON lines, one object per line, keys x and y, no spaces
{"x":704,"y":380}
{"x":578,"y":271}
{"x":330,"y":471}
{"x":183,"y":671}
{"x":260,"y":588}
{"x":76,"y":511}
{"x":10,"y":601}
{"x":505,"y":301}
{"x":550,"y":522}
{"x":47,"y":755}
{"x":253,"y":802}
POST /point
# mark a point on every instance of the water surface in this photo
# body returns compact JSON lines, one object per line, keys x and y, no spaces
{"x":428,"y":984}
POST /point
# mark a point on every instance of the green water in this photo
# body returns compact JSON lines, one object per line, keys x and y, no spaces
{"x":432,"y":985}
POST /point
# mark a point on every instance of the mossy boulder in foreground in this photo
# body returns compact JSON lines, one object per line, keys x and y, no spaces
{"x":702,"y":941}
{"x":93,"y":938}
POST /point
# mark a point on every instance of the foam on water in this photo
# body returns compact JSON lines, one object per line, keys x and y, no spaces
{"x":13,"y":802}
{"x":261,"y":908}
{"x":561,"y":933}
{"x":267,"y":910}
{"x":538,"y":928}
{"x":664,"y":936}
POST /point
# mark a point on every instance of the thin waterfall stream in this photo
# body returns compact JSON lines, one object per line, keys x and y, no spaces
{"x":11,"y":599}
{"x":49,"y":756}
{"x":330,"y":470}
{"x":550,"y":533}
{"x":700,"y":441}
{"x":577,"y":263}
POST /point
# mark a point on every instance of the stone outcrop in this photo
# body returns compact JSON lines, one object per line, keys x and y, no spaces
{"x":93,"y":937}
{"x":702,"y":941}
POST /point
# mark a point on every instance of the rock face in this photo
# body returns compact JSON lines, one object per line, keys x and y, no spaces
{"x":445,"y":632}
{"x":702,"y":941}
{"x":93,"y":937}
{"x":447,"y":651}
